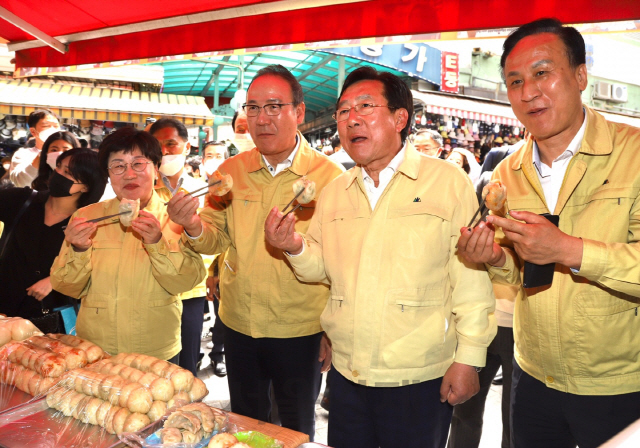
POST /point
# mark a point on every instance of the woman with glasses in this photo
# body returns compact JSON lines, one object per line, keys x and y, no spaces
{"x":129,"y":278}
{"x":32,"y":239}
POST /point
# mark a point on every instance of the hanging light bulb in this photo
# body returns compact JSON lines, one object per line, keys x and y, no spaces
{"x":423,"y":120}
{"x":496,"y":129}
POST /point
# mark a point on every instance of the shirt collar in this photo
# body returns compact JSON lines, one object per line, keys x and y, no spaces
{"x":572,"y":149}
{"x":286,"y":163}
{"x":392,"y":166}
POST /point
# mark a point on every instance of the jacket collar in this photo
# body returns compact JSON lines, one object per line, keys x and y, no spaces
{"x":596,"y":141}
{"x":301,"y":161}
{"x":410,"y":166}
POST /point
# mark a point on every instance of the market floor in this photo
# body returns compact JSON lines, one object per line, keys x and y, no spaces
{"x":219,"y":397}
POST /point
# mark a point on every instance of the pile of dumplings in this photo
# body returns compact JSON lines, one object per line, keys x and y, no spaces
{"x":125,"y":393}
{"x":37,"y":363}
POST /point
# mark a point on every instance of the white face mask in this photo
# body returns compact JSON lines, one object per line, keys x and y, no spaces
{"x":243,"y":142}
{"x":211,"y":165}
{"x":172,"y":164}
{"x":44,"y":135}
{"x":52,"y":157}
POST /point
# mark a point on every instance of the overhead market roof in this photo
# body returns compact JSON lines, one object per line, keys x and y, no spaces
{"x":18,"y":97}
{"x":316,"y":71}
{"x":73,"y":32}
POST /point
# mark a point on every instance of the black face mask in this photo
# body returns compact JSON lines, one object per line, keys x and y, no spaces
{"x":60,"y":186}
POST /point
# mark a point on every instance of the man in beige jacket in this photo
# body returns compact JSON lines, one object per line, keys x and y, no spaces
{"x":409,"y":321}
{"x":576,"y":378}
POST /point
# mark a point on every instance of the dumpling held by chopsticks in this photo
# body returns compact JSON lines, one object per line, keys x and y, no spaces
{"x":220,"y":184}
{"x":495,"y":195}
{"x":129,"y":205}
{"x":308,"y":189}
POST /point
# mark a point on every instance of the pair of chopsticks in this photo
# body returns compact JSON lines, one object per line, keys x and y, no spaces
{"x":291,"y":202}
{"x":485,"y":212}
{"x":200,"y":189}
{"x":102,"y":218}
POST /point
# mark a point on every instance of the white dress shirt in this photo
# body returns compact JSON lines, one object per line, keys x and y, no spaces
{"x":551,"y":177}
{"x":286,"y":163}
{"x":373,"y":192}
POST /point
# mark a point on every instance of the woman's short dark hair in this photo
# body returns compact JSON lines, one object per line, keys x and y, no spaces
{"x":170,"y":123}
{"x":41,"y":182}
{"x":570,"y":37}
{"x":395,"y":91}
{"x":127,"y":140}
{"x":84,"y":167}
{"x":282,"y":72}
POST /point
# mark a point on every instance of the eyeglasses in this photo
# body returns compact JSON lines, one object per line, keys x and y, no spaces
{"x":270,"y":109}
{"x":120,"y":167}
{"x":361,"y":109}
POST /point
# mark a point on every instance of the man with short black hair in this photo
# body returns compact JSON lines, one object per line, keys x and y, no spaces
{"x":273,"y":336}
{"x":576,"y":374}
{"x":174,"y":141}
{"x":409,"y":321}
{"x":25,"y":161}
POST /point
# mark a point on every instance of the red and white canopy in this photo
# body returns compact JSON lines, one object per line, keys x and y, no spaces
{"x":56,"y":33}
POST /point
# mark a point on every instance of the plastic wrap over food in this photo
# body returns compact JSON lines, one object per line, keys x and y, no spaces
{"x":190,"y":426}
{"x":30,"y":368}
{"x":16,"y":329}
{"x":35,"y":425}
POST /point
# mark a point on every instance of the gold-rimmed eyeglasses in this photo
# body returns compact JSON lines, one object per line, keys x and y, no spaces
{"x":120,"y":167}
{"x":361,"y":109}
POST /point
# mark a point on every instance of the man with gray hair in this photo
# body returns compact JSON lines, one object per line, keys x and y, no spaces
{"x":272,"y":332}
{"x":428,"y":142}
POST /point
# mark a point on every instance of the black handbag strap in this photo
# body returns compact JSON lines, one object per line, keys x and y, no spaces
{"x":9,"y":231}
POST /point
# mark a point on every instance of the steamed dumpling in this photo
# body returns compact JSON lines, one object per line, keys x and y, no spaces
{"x":222,"y":188}
{"x":129,"y":205}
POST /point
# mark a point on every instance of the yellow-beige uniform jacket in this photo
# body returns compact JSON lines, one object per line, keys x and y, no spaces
{"x":129,"y":289}
{"x":582,"y":334}
{"x":403,"y":304}
{"x":189,"y":184}
{"x":260,"y":295}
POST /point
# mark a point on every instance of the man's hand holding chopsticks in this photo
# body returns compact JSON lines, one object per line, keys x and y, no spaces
{"x":182,"y":209}
{"x":281,"y":233}
{"x":477,"y":245}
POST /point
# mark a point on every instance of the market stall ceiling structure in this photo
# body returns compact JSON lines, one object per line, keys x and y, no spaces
{"x":73,"y":32}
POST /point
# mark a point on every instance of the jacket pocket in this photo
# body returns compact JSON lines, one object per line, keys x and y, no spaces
{"x":94,"y":318}
{"x":413,"y":328}
{"x":159,"y":322}
{"x":607,"y":334}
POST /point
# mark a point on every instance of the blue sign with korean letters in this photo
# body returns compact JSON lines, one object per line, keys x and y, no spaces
{"x":415,"y":59}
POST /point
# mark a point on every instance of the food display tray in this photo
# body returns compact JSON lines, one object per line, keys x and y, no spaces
{"x":34,"y":424}
{"x":12,"y":397}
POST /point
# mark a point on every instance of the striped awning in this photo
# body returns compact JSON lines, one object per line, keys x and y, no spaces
{"x":20,"y":97}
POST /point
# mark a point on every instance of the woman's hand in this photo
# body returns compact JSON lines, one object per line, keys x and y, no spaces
{"x":79,"y":232}
{"x":148,"y":227}
{"x":40,"y":289}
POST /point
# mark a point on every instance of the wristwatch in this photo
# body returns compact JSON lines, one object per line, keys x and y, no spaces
{"x":478,"y":369}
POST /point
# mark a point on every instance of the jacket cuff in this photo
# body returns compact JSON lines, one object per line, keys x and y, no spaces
{"x":160,"y":247}
{"x":472,"y":356}
{"x":302,"y":260}
{"x":504,"y":273}
{"x":594,"y":259}
{"x":80,"y":256}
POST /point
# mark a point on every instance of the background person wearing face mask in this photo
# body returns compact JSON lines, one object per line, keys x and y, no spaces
{"x":37,"y":235}
{"x":242,"y":139}
{"x":173,"y":137}
{"x":55,"y":145}
{"x":25,"y":161}
{"x":214,"y":153}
